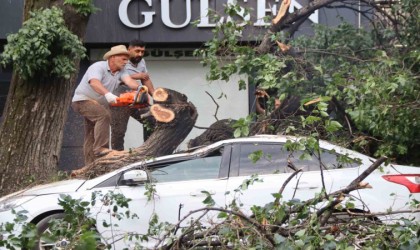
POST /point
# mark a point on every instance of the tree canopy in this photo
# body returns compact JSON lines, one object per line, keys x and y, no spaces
{"x":371,"y":73}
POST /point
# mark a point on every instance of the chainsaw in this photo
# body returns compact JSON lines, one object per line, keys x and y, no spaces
{"x":134,"y":99}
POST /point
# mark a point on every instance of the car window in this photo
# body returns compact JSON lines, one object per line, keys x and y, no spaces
{"x":195,"y":169}
{"x":272,"y":158}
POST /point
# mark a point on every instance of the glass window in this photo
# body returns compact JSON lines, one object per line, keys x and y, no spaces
{"x":273,"y":158}
{"x":195,"y":169}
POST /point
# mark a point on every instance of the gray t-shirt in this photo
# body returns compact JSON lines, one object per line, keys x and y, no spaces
{"x":99,"y":70}
{"x":131,"y":69}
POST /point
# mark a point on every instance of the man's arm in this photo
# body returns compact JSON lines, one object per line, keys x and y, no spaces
{"x":130,"y":82}
{"x":148,"y":83}
{"x":98,"y":87}
{"x":145,"y":80}
{"x":260,"y":110}
{"x":140,"y":76}
{"x":259,"y":93}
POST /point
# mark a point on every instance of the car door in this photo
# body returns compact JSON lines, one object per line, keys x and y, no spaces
{"x":180,"y":187}
{"x":273,"y":171}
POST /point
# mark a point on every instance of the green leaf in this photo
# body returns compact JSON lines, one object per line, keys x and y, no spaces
{"x":237,"y":133}
{"x":242,"y":85}
{"x":256,"y":156}
{"x":222,"y":215}
{"x":301,"y":233}
{"x":305,"y":156}
{"x":333,"y":126}
{"x":209,"y":201}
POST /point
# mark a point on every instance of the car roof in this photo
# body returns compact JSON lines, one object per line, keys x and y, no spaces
{"x":207,"y":148}
{"x":251,"y":139}
{"x":256,"y":139}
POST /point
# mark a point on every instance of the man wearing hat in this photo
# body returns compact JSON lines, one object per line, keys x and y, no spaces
{"x":93,"y":95}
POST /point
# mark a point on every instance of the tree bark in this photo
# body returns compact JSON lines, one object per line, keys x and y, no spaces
{"x":164,"y":140}
{"x":34,"y":116}
{"x":220,"y":130}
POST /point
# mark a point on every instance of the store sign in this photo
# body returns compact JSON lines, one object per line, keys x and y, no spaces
{"x":154,"y":54}
{"x":261,"y":11}
{"x":168,"y":54}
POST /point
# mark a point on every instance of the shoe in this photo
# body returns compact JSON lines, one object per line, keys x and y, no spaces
{"x":103,"y":153}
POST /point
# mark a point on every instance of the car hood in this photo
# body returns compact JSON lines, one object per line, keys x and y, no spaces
{"x":52,"y":188}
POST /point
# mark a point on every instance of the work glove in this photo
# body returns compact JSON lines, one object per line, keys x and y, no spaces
{"x":111,"y":98}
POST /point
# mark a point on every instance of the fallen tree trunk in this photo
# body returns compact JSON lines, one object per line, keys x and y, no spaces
{"x":175,"y":117}
{"x":220,"y":130}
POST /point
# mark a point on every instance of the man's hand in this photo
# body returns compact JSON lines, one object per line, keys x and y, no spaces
{"x":111,"y":98}
{"x":261,"y":93}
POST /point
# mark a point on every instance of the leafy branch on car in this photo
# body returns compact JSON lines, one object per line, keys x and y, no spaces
{"x":278,"y":219}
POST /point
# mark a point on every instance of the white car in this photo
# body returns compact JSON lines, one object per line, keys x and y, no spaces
{"x":180,"y":180}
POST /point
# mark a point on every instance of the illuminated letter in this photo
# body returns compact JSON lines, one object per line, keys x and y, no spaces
{"x":204,"y":15}
{"x":241,"y":13}
{"x":166,"y":16}
{"x":123,"y":14}
{"x":261,"y":12}
{"x":294,"y":4}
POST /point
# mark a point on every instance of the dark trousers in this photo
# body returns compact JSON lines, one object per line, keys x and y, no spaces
{"x":119,"y":121}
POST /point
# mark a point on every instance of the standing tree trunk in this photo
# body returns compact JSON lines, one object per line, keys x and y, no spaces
{"x":35,"y":114}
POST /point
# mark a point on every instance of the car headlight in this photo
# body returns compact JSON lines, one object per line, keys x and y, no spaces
{"x":9,"y":203}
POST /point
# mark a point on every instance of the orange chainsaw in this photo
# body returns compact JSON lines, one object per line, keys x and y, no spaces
{"x":134,"y":99}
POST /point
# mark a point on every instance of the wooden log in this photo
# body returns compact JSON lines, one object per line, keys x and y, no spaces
{"x":162,"y":114}
{"x":218,"y":131}
{"x":160,"y":95}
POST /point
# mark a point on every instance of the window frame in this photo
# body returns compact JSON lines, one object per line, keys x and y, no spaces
{"x":236,"y":157}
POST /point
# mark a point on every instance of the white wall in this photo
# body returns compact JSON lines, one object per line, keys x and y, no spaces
{"x":189,"y":77}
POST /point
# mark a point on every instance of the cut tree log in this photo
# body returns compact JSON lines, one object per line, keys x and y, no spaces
{"x":162,"y":114}
{"x":160,"y":95}
{"x":168,"y":134}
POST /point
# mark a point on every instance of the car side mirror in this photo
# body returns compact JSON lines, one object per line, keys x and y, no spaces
{"x":134,"y":177}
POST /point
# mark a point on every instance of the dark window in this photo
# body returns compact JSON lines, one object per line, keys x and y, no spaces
{"x":272,"y":158}
{"x":196,"y":169}
{"x":4,"y":88}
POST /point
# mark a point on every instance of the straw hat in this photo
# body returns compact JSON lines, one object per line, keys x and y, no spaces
{"x":116,"y":50}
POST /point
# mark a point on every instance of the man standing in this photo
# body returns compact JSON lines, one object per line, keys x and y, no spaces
{"x":136,"y":67}
{"x":92,"y":96}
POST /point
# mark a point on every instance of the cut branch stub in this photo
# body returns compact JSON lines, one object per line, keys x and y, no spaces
{"x":162,"y":114}
{"x":282,"y":11}
{"x":160,"y":95}
{"x":283,"y":47}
